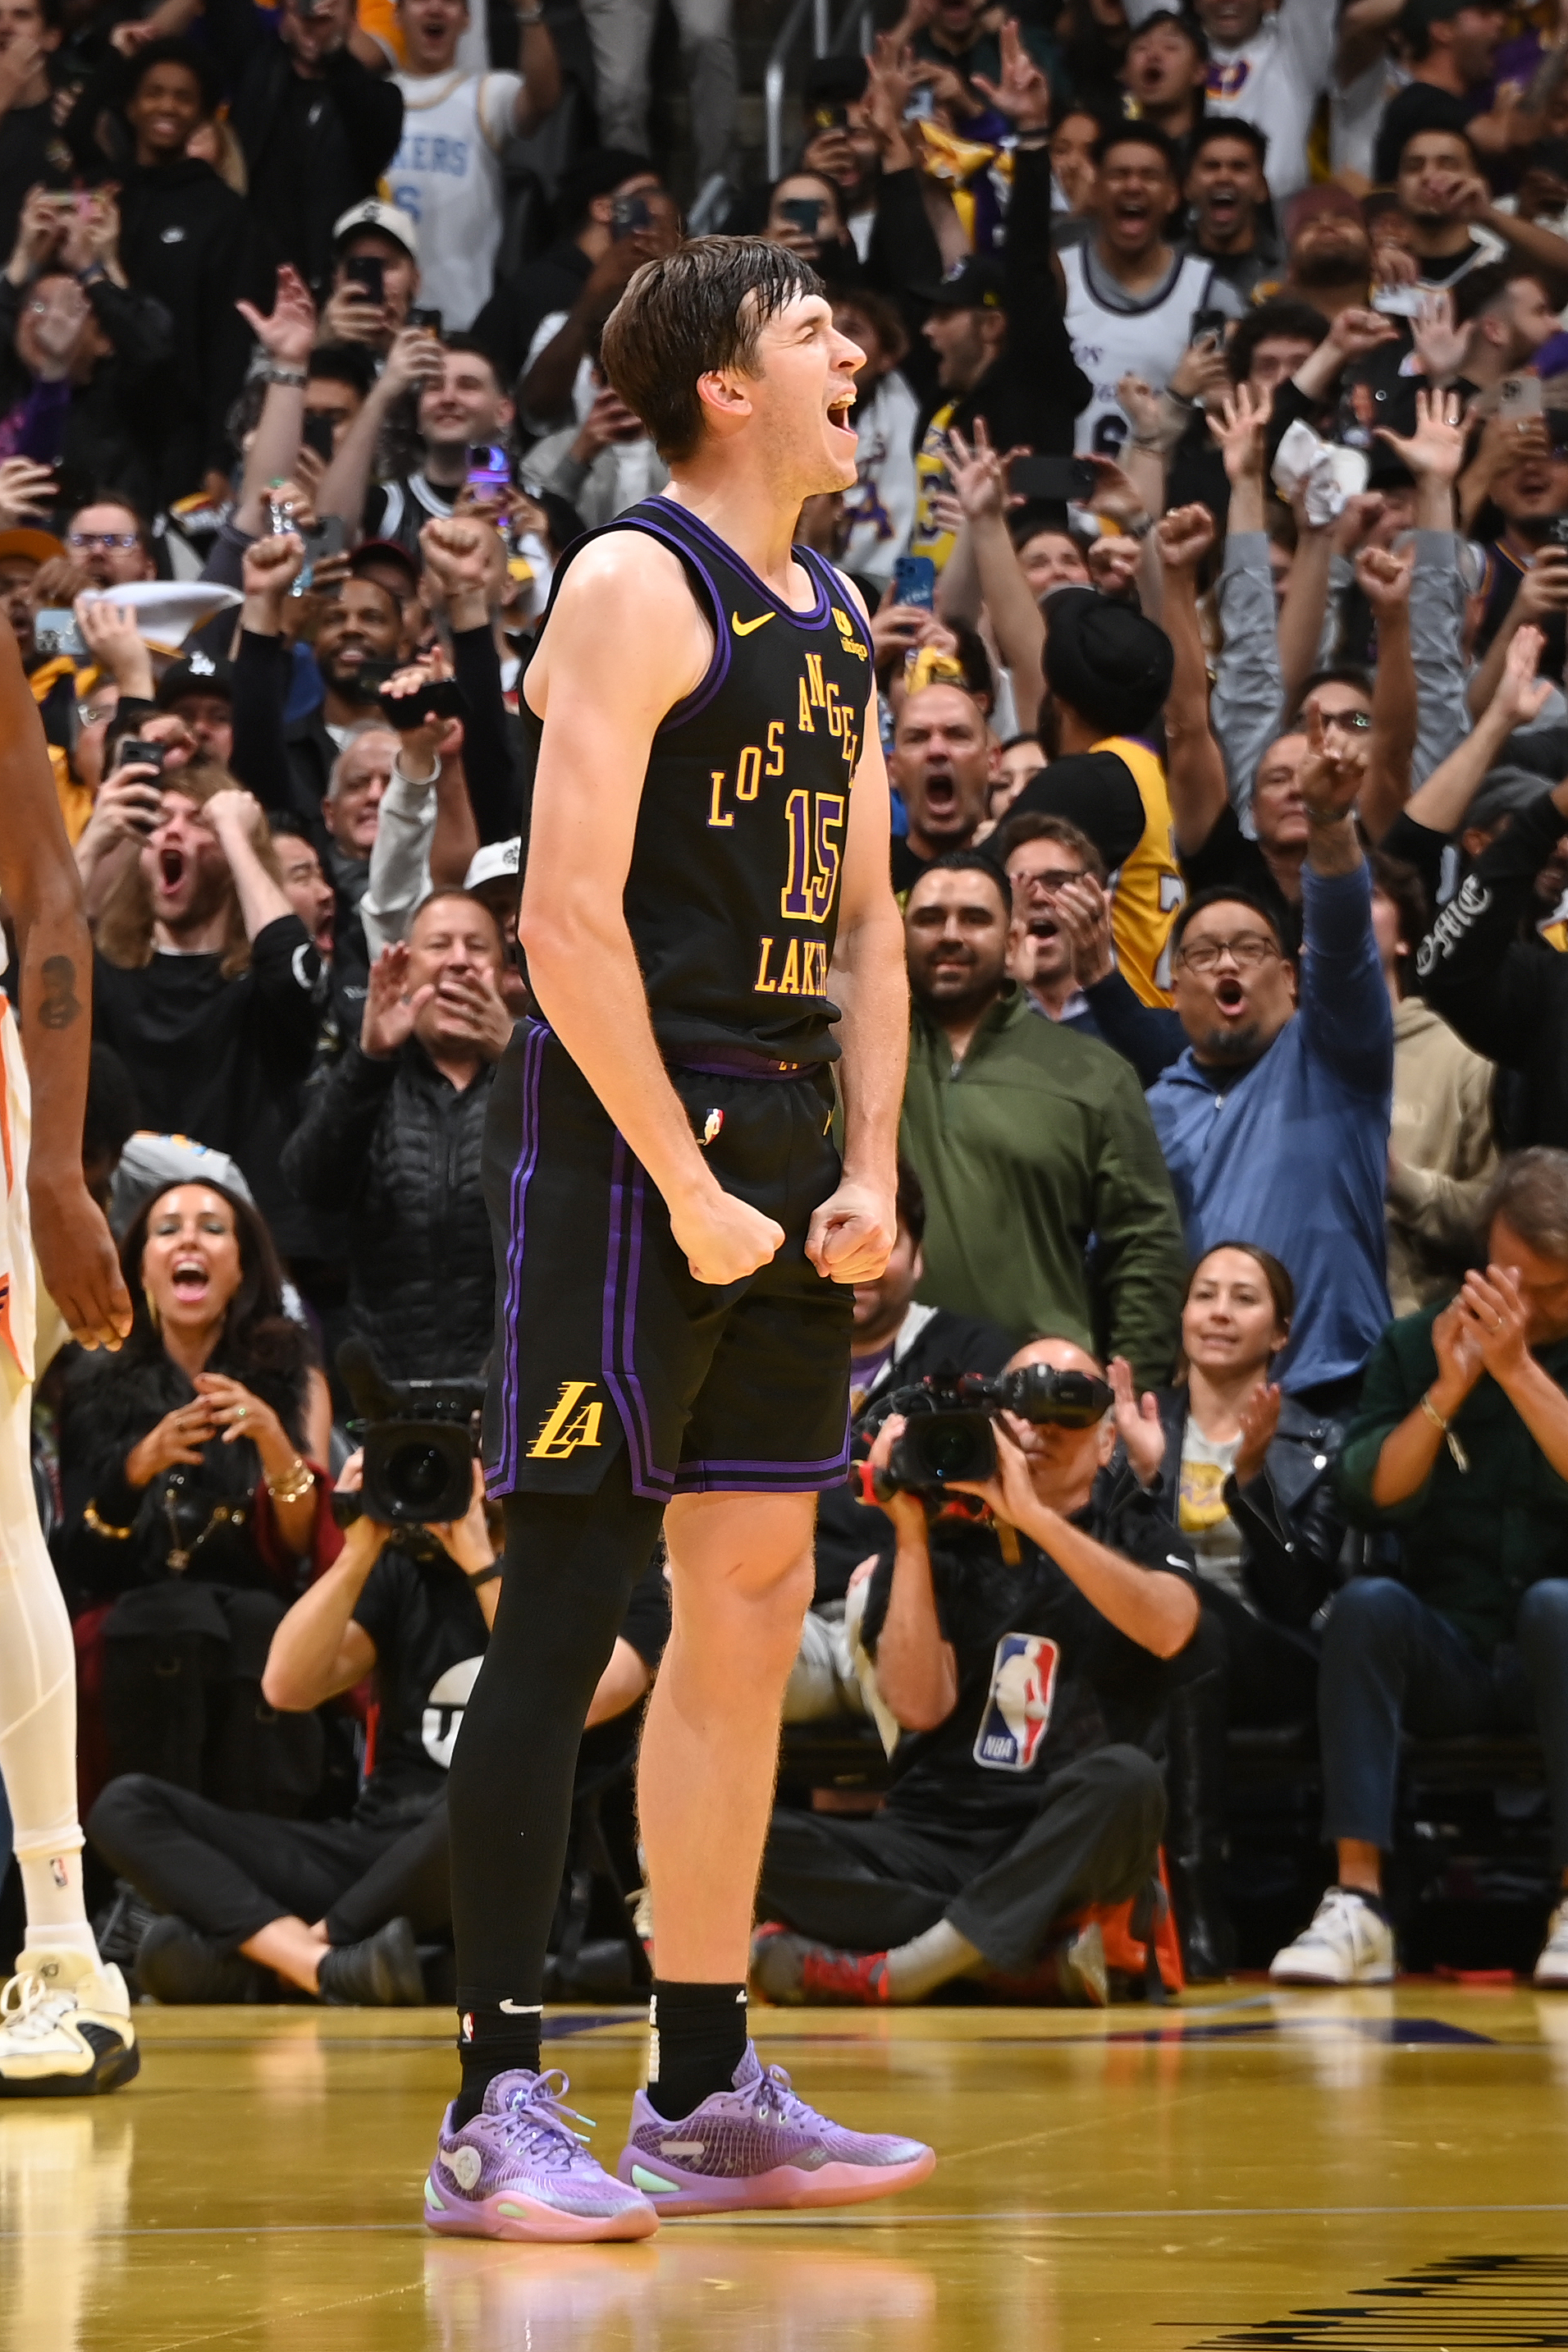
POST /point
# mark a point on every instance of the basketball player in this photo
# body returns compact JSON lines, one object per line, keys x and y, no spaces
{"x":709,"y":928}
{"x":65,"y":2019}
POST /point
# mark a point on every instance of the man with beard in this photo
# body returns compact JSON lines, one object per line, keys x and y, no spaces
{"x":1509,"y":313}
{"x":944,"y":763}
{"x":206,"y":981}
{"x":1446,"y":201}
{"x":1228,"y":197}
{"x":1274,"y":1123}
{"x":1328,"y":253}
{"x":1027,"y":1139}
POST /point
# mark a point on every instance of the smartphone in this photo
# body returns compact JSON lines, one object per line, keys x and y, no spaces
{"x":915,"y":582}
{"x":420,"y":317}
{"x":133,"y":751}
{"x":443,"y":697}
{"x":1557,"y":531}
{"x":54,"y":632}
{"x":489,"y":469}
{"x":830,"y":118}
{"x":1059,"y":481}
{"x":627,"y":216}
{"x":1210,"y":325}
{"x":327,"y":537}
{"x":367,"y":271}
{"x":1519,"y":397}
{"x":320,"y":434}
{"x":804,"y":213}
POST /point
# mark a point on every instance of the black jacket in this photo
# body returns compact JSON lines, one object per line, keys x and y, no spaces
{"x":1031,"y":397}
{"x":188,"y":240}
{"x":509,"y":320}
{"x":106,"y":437}
{"x":1491,"y":979}
{"x":394,"y":1143}
{"x":1289,"y":1522}
{"x":312,"y":148}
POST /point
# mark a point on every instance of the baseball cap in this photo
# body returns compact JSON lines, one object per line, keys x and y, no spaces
{"x":834,"y":81}
{"x":975,"y":283}
{"x":374,"y":214}
{"x":1504,"y":791}
{"x":199,"y":673}
{"x":384,"y":551}
{"x":496,"y":862}
{"x":37,"y":546}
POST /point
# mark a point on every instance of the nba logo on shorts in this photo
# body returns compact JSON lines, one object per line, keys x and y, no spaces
{"x":1018,"y":1706}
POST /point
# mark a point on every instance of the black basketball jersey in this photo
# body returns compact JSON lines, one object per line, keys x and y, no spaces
{"x":732,"y":897}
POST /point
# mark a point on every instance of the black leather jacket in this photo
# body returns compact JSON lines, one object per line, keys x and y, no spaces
{"x":1290,"y":1526}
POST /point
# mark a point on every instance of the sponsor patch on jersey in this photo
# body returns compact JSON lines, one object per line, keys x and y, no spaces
{"x":1018,"y":1704}
{"x":851,"y":635}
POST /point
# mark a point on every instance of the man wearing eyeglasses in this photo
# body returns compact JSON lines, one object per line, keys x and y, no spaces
{"x":1274,"y":1122}
{"x":110,"y":541}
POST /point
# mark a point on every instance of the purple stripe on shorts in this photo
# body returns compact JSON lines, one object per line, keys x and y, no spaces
{"x":618,"y":1344}
{"x":535,"y":1033}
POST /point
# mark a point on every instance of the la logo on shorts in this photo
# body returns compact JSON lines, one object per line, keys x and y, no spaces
{"x":571,"y":1422}
{"x":1018,"y":1706}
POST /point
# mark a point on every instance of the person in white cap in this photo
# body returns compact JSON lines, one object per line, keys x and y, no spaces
{"x":374,"y":231}
{"x":65,"y":2019}
{"x":446,"y":174}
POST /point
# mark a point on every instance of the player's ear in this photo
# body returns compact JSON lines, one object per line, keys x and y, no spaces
{"x":724,"y":396}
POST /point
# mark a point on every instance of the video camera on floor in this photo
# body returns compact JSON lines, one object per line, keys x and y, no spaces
{"x":948,"y":1434}
{"x":419,"y":1439}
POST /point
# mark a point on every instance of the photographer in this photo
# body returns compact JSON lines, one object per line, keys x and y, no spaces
{"x":393,"y":1133}
{"x":1008,"y":1654}
{"x":356,"y":1892}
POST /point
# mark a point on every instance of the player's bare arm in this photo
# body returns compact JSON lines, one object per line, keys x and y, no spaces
{"x":853,"y":1233}
{"x":43,"y":890}
{"x":625,"y":644}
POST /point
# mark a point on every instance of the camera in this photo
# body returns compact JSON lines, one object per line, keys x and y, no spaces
{"x":420,"y":1439}
{"x":947,"y":1436}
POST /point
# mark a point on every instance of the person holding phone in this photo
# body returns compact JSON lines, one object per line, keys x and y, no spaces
{"x":447,"y":173}
{"x":375,"y":276}
{"x":805,"y":212}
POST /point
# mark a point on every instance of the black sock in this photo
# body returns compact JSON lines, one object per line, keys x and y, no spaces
{"x":490,"y":2043}
{"x":696,"y":2040}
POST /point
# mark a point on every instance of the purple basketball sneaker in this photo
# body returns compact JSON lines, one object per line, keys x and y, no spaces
{"x":759,"y":2145}
{"x":519,"y":2170}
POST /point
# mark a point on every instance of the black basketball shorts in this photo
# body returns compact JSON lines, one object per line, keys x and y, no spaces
{"x":605,"y":1339}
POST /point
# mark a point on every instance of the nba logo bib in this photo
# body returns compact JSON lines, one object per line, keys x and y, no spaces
{"x":1018,"y":1706}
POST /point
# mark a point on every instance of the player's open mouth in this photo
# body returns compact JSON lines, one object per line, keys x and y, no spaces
{"x":1230,"y":996}
{"x":839,"y":412}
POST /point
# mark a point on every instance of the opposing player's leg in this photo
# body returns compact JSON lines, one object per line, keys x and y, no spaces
{"x":715,"y":2131}
{"x":64,"y":2017}
{"x":507,"y":2162}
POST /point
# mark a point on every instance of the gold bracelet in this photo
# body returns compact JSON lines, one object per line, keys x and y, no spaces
{"x":1461,"y":1459}
{"x":299,"y":1480}
{"x":101,"y":1527}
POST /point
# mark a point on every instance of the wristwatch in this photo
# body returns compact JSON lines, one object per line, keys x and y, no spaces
{"x":295,"y":378}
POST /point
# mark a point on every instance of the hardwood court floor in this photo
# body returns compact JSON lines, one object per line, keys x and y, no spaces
{"x":1357,"y":2172}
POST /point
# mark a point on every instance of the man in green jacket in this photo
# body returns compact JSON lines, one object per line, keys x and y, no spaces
{"x":1029,"y":1139}
{"x":1462,"y":1446}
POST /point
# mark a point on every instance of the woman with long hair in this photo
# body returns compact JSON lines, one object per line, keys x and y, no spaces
{"x":192,"y":1466}
{"x":1247,"y":1477}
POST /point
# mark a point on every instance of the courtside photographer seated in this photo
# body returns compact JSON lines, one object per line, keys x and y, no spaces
{"x":339,"y":1909}
{"x":1460,"y":1448}
{"x":1019,"y":1657}
{"x":193,"y":1505}
{"x":1247,"y":1476}
{"x":892,"y":1342}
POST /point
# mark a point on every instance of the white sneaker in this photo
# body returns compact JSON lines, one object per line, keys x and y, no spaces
{"x":1346,"y":1943}
{"x":1552,"y":1968}
{"x":65,"y":2027}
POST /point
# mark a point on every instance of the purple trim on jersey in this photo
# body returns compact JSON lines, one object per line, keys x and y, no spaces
{"x":648,"y":1480}
{"x":718,"y":668}
{"x":500,"y":1479}
{"x":820,"y":612}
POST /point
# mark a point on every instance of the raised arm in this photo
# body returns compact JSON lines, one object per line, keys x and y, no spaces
{"x":288,"y":337}
{"x":1521,"y":697}
{"x":539,"y":63}
{"x":981,"y":485}
{"x":44,"y":894}
{"x":236,"y":817}
{"x":416,"y":357}
{"x":1193,"y":769}
{"x":1384,"y":581}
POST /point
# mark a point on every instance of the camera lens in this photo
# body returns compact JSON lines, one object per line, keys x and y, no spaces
{"x":417,"y":1476}
{"x":949,"y":1453}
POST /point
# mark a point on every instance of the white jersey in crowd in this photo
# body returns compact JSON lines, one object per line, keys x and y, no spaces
{"x":1275,"y":80}
{"x":1111,"y":337}
{"x":447,"y":175}
{"x":880,"y":510}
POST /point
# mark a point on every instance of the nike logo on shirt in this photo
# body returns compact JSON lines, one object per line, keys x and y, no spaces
{"x":743,"y":628}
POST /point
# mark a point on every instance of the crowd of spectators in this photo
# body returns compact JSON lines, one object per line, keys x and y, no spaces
{"x":1212,"y":513}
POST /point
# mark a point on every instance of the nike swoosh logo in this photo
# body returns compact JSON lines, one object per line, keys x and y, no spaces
{"x":743,"y":628}
{"x":520,"y":2009}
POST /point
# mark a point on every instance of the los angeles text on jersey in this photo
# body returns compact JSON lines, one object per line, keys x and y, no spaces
{"x":811,"y":849}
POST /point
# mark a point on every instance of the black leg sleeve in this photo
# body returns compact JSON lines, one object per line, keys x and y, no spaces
{"x":571,"y":1564}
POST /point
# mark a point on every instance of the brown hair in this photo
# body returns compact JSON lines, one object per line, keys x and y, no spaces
{"x":1277,"y":1274}
{"x":125,"y":930}
{"x":1035,"y":824}
{"x":688,"y":313}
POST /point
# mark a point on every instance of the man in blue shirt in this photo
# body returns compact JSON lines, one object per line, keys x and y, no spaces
{"x":1274,"y":1122}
